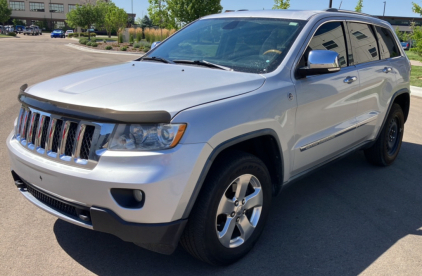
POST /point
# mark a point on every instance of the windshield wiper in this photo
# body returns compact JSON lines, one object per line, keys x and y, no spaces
{"x":204,"y":63}
{"x":158,"y":59}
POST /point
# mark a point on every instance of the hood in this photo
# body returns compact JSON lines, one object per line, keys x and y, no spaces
{"x":146,"y":86}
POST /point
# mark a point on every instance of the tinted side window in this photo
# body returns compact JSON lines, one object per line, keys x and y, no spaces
{"x":387,"y":43}
{"x":364,"y":45}
{"x":329,"y":36}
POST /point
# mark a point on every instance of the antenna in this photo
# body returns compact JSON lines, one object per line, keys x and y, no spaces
{"x":340,"y":5}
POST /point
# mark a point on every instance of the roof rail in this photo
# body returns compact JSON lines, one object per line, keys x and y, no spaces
{"x":347,"y":11}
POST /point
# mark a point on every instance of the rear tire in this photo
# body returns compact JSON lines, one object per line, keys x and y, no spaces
{"x":224,"y":225}
{"x":387,"y":147}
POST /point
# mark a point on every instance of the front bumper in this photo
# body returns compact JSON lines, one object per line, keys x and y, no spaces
{"x":167,"y":179}
{"x":162,"y":238}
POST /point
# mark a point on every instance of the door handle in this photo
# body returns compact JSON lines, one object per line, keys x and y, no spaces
{"x":350,"y":79}
{"x":387,"y":70}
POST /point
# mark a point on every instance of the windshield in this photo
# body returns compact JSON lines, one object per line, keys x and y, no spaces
{"x":255,"y":45}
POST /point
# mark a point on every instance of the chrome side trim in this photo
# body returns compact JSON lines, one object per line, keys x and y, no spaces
{"x":337,"y":134}
{"x":364,"y":122}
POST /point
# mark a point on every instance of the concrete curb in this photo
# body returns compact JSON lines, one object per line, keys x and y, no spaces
{"x":85,"y":49}
{"x":416,"y":91}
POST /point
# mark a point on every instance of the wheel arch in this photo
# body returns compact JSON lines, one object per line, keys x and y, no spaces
{"x":258,"y":143}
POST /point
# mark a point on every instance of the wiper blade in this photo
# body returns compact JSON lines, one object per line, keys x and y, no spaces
{"x":158,"y":59}
{"x":204,"y":63}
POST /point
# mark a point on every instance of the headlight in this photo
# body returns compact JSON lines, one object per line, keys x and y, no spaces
{"x":146,"y":137}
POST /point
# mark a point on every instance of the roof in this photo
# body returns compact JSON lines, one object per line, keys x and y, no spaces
{"x":285,"y":14}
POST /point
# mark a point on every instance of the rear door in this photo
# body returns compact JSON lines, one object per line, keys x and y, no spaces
{"x":376,"y":74}
{"x":326,"y":113}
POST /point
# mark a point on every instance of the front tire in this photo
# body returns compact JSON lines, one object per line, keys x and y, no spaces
{"x":230,"y":212}
{"x":387,"y":147}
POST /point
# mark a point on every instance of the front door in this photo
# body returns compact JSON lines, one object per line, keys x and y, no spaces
{"x":326,"y":113}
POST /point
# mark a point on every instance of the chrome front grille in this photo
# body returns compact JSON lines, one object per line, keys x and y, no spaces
{"x":71,"y":141}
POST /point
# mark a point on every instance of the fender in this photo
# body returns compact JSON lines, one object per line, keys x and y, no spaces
{"x":217,"y":150}
{"x":393,"y":98}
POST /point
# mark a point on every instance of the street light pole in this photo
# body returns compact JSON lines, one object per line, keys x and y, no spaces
{"x":385,"y":2}
{"x":331,"y":4}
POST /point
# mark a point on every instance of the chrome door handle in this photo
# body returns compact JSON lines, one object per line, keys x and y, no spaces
{"x":387,"y":70}
{"x":350,"y":79}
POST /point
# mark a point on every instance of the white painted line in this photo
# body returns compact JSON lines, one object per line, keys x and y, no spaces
{"x":416,"y":91}
{"x":85,"y":49}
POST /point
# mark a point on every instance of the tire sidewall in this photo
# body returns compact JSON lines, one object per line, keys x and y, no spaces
{"x":396,"y":112}
{"x":222,"y":253}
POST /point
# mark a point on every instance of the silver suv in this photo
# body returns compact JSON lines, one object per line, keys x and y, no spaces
{"x":192,"y":141}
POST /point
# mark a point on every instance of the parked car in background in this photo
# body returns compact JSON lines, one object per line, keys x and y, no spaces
{"x":57,"y":33}
{"x":272,"y":96}
{"x":19,"y":29}
{"x":405,"y":45}
{"x":9,"y":28}
{"x":37,"y":30}
{"x":28,"y":31}
{"x":68,"y":32}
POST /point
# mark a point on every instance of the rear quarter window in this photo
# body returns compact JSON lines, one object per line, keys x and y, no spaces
{"x":387,"y":43}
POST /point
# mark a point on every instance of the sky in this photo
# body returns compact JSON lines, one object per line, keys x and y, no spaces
{"x":374,"y":7}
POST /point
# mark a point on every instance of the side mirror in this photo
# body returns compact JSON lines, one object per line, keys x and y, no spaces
{"x":320,"y":62}
{"x":155,"y":44}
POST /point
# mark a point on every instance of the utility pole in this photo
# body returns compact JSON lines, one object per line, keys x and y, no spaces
{"x":331,"y":4}
{"x":340,"y":5}
{"x":385,"y":2}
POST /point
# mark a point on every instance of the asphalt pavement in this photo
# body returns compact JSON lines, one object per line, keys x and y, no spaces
{"x":349,"y":218}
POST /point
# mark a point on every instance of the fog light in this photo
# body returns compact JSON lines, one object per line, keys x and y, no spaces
{"x":138,"y":195}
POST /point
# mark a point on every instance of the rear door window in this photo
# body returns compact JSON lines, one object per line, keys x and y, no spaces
{"x":364,"y":44}
{"x":387,"y":44}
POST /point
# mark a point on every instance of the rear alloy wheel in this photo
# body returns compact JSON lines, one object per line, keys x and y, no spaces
{"x":230,"y":212}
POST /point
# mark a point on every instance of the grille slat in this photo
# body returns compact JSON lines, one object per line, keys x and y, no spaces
{"x":44,"y":132}
{"x":35,"y":127}
{"x":86,"y":142}
{"x":56,"y":137}
{"x":70,"y":141}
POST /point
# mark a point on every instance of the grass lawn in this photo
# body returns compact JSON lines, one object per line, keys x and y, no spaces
{"x":413,"y":56}
{"x":2,"y":35}
{"x":416,"y":76}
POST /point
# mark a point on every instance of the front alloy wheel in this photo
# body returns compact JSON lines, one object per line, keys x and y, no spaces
{"x":239,"y":211}
{"x":230,"y":212}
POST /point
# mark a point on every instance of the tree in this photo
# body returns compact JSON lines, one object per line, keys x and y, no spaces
{"x":5,"y":11}
{"x":186,"y":11}
{"x":85,"y":16}
{"x":17,"y":22}
{"x":115,"y":18}
{"x":105,"y":9}
{"x":359,"y":6}
{"x":160,"y":14}
{"x":281,"y":4}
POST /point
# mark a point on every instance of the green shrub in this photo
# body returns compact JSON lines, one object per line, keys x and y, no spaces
{"x":137,"y":45}
{"x":147,"y":48}
{"x":105,"y":41}
{"x":124,"y":48}
{"x":11,"y":34}
{"x":120,"y":38}
{"x":89,"y":43}
{"x":94,"y":44}
{"x":75,"y":35}
{"x":70,"y":35}
{"x":83,"y":41}
{"x":108,"y":47}
{"x":131,"y":38}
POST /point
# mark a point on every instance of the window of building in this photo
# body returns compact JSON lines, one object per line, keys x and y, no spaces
{"x":59,"y":25}
{"x":387,"y":43}
{"x":17,"y":6}
{"x":57,"y":8}
{"x":330,"y":36}
{"x":36,"y":7}
{"x":71,"y":7}
{"x":364,"y":44}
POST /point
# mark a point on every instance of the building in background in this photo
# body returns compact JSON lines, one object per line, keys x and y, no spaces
{"x":403,"y":23}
